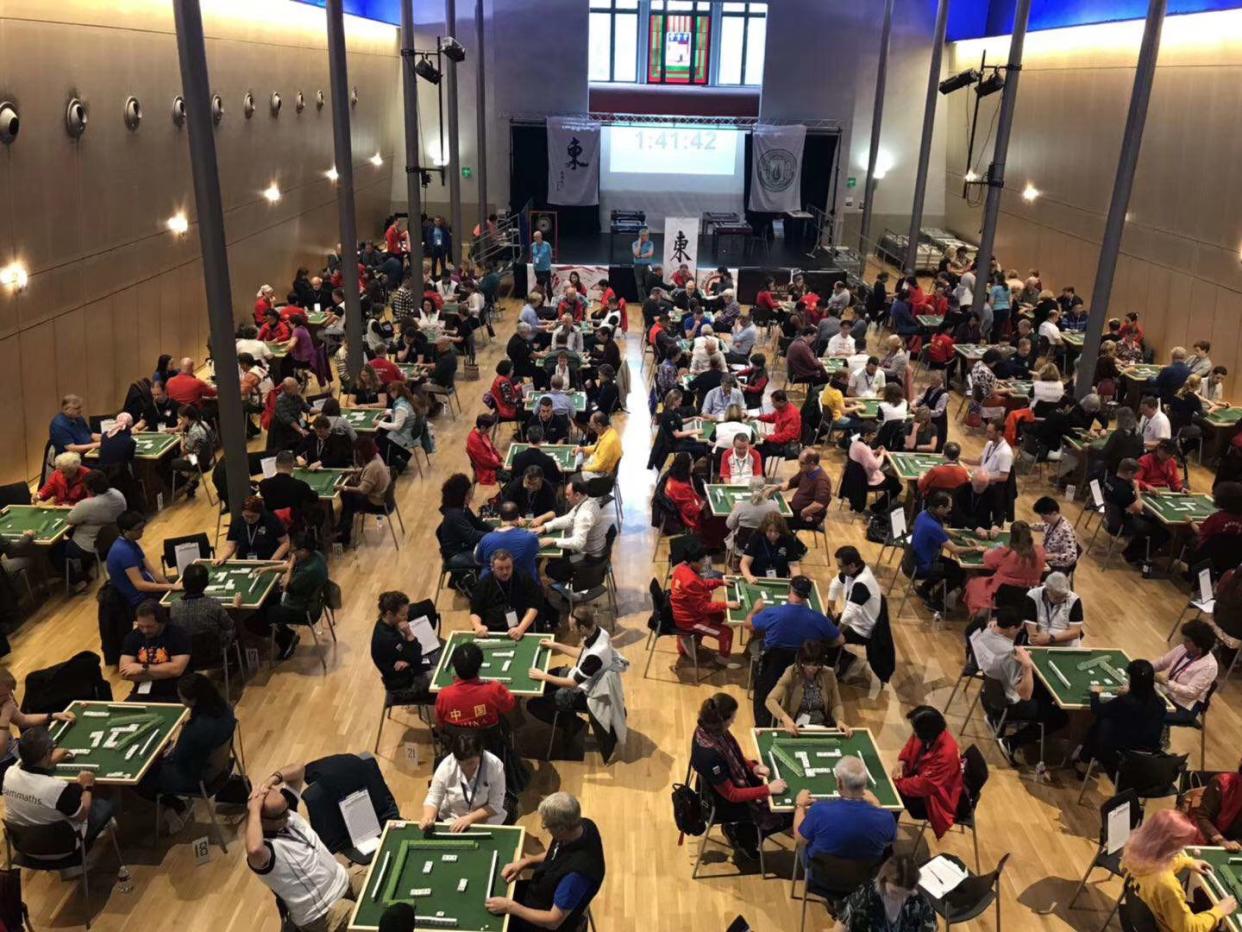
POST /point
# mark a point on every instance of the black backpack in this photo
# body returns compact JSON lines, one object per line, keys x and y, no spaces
{"x":14,"y":916}
{"x":53,"y":688}
{"x":687,"y":811}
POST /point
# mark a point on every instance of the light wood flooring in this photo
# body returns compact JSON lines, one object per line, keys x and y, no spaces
{"x":295,"y":713}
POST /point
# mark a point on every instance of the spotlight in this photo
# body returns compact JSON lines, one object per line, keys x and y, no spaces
{"x":1030,"y":193}
{"x":959,"y":81}
{"x":178,"y":224}
{"x":971,"y":176}
{"x":332,"y":174}
{"x":991,"y":84}
{"x":377,"y":160}
{"x":427,"y":71}
{"x":272,"y":192}
{"x":14,"y":276}
{"x":453,"y":51}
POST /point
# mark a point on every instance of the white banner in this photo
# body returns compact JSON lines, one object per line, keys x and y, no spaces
{"x":776,"y":169}
{"x":681,"y":244}
{"x":573,"y":161}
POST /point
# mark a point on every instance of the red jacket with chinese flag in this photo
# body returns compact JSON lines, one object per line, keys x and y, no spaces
{"x":933,"y":774}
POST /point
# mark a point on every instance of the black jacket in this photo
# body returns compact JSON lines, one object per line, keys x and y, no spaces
{"x":333,"y":453}
{"x":459,"y":531}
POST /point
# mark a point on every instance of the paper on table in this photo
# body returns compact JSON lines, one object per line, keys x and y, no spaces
{"x":184,"y":555}
{"x":939,"y":876}
{"x":360,"y":821}
{"x":1118,"y":828}
{"x":425,"y":634}
{"x":268,"y":466}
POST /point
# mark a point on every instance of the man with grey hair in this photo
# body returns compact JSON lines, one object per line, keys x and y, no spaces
{"x":742,"y":341}
{"x":839,"y":300}
{"x":729,"y":311}
{"x":520,"y":349}
{"x":852,"y":826}
{"x":1052,"y":613}
{"x":566,"y":876}
{"x":719,"y":399}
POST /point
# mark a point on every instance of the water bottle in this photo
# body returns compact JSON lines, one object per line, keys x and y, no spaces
{"x":123,"y":882}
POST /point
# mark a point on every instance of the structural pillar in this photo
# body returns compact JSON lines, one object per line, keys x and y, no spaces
{"x":413,"y":178}
{"x":929,"y":127}
{"x":996,"y":171}
{"x":481,"y":115}
{"x":454,"y":161}
{"x":877,"y":118}
{"x":1114,"y":226}
{"x":196,"y":89}
{"x":338,"y":83}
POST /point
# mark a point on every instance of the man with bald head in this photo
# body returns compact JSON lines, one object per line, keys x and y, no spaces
{"x":975,"y":507}
{"x":287,"y":430}
{"x":294,"y":863}
{"x":185,"y":388}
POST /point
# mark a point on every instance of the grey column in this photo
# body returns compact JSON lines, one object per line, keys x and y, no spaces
{"x":413,"y":186}
{"x":877,"y":119}
{"x":481,"y":104}
{"x":929,"y":127}
{"x":196,"y":89}
{"x":338,"y":84}
{"x":454,"y":162}
{"x":996,"y":172}
{"x":1114,"y":226}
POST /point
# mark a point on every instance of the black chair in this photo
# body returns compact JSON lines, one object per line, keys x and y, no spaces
{"x":974,"y":778}
{"x":323,"y":810}
{"x":14,"y":493}
{"x":1151,"y":775}
{"x":204,"y":646}
{"x":57,"y":846}
{"x":220,"y":766}
{"x":605,"y":489}
{"x":660,"y":624}
{"x":970,"y":672}
{"x":707,"y":800}
{"x":1110,"y":862}
{"x":996,"y":706}
{"x":1200,"y":722}
{"x":386,"y":510}
{"x":831,"y":879}
{"x":168,"y":556}
{"x":972,"y":897}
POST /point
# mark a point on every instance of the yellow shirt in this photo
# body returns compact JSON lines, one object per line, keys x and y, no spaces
{"x":605,"y":455}
{"x":1164,"y":896}
{"x":831,"y":400}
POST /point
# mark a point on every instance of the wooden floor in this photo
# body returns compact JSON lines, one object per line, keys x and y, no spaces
{"x":296,"y":714}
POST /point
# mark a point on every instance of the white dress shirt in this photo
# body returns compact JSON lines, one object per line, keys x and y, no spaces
{"x":455,"y":795}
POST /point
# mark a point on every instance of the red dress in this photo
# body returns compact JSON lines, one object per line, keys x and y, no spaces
{"x":934,"y":775}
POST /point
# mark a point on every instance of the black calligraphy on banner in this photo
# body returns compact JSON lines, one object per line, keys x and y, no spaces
{"x":680,"y":242}
{"x":574,"y":150}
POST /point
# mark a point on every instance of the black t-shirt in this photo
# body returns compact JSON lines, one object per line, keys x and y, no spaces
{"x":533,"y":456}
{"x":491,"y":599}
{"x":555,"y":429}
{"x":388,"y":646}
{"x":285,"y":491}
{"x":671,"y":422}
{"x":1120,"y":493}
{"x":765,"y":555}
{"x":539,"y":502}
{"x":257,"y":541}
{"x":173,"y":641}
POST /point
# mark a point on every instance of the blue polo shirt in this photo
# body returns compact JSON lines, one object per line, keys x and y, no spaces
{"x":121,"y":556}
{"x":521,"y":543}
{"x":848,"y":828}
{"x":927,"y":540}
{"x":791,"y":626}
{"x":646,"y":252}
{"x":65,"y":430}
{"x":541,"y":256}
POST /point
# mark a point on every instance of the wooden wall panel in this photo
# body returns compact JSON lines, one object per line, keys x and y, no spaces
{"x":69,"y":375}
{"x":13,"y":466}
{"x":37,"y":349}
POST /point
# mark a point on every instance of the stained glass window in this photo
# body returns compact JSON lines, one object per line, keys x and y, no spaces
{"x":679,"y":48}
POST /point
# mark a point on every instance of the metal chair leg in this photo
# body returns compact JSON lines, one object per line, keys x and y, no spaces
{"x":211,"y":813}
{"x":698,"y":861}
{"x":1083,"y":792}
{"x":1081,"y":885}
{"x":552,"y":737}
{"x":380,"y":729}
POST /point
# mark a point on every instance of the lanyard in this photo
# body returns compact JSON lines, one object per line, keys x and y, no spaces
{"x":469,"y":794}
{"x":252,"y":531}
{"x":1181,"y":666}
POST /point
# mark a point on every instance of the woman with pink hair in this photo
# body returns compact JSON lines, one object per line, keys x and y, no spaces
{"x":1154,"y":856}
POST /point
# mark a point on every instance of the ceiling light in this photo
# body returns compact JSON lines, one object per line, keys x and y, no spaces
{"x":959,"y":81}
{"x":1030,"y":192}
{"x":971,"y":176}
{"x":14,"y":276}
{"x":332,"y":174}
{"x":453,"y":50}
{"x":178,"y":223}
{"x":427,"y":71}
{"x":377,"y":160}
{"x":272,"y":192}
{"x":991,"y":84}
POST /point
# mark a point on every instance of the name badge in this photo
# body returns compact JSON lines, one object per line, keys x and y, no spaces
{"x":771,"y":573}
{"x":511,"y":619}
{"x":144,"y":688}
{"x":251,"y":556}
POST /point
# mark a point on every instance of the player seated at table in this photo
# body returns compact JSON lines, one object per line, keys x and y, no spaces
{"x":567,"y":875}
{"x":99,"y":509}
{"x":1124,"y":514}
{"x":471,"y":702}
{"x":773,"y":551}
{"x":324,"y":448}
{"x":12,"y":715}
{"x":366,"y":491}
{"x":930,"y":556}
{"x":860,"y":594}
{"x":66,"y":484}
{"x":786,"y":421}
{"x":949,"y":475}
{"x":603,"y":457}
{"x":555,"y":426}
{"x":291,"y":860}
{"x":34,"y":795}
{"x":673,"y":435}
{"x":975,"y":507}
{"x":806,"y":693}
{"x":1026,"y":700}
{"x":397,"y":652}
{"x":180,"y":770}
{"x":749,"y":511}
{"x":1133,"y":720}
{"x":592,"y":685}
{"x":588,"y":528}
{"x":852,"y":826}
{"x":812,"y":491}
{"x":1188,"y":671}
{"x":507,"y":600}
{"x":398,"y":435}
{"x":1158,"y":469}
{"x":532,"y":494}
{"x":742,"y":461}
{"x":460,"y":529}
{"x":928,"y":776}
{"x":1218,"y":811}
{"x":467,"y":787}
{"x":680,"y":489}
{"x":283,"y":490}
{"x":921,"y":435}
{"x":302,"y":591}
{"x":871,"y":462}
{"x":260,"y":535}
{"x":1219,"y":534}
{"x":738,"y":787}
{"x":1053,"y":613}
{"x":509,"y":535}
{"x":195,"y":453}
{"x":200,"y":615}
{"x":722,"y":397}
{"x":154,"y":655}
{"x":892,"y":901}
{"x":733,"y":423}
{"x":1016,"y":565}
{"x":695,"y":613}
{"x":485,"y":459}
{"x":1154,"y":860}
